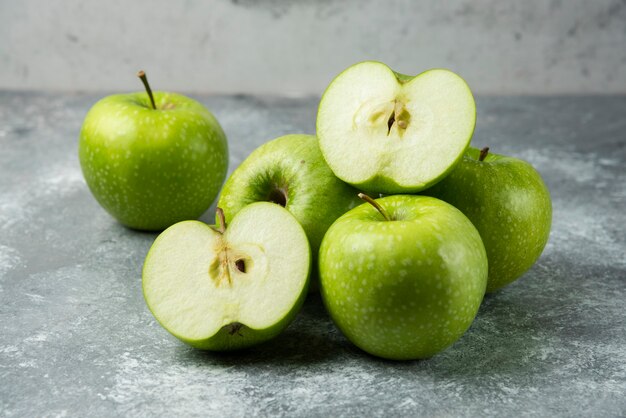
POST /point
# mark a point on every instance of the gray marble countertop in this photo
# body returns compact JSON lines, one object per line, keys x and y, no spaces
{"x":77,"y":339}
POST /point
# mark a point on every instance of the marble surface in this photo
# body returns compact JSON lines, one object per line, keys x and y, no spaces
{"x":76,"y":338}
{"x":296,"y":47}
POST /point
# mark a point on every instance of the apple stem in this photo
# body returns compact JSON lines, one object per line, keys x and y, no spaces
{"x":221,"y":219}
{"x":142,"y":75}
{"x":483,"y":153}
{"x":376,"y":205}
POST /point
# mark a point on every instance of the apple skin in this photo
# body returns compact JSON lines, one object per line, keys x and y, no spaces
{"x":292,"y":164}
{"x":152,"y":168}
{"x":407,"y":288}
{"x":509,"y":204}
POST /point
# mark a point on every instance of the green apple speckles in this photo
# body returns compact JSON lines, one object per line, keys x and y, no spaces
{"x":385,"y":132}
{"x":508,"y":202}
{"x":150,"y":168}
{"x":291,"y":172}
{"x":404,"y":288}
{"x":230,"y":287}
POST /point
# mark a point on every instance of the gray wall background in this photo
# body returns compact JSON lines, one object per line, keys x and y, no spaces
{"x":295,"y":47}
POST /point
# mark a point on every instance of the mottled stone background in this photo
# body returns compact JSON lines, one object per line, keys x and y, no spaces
{"x":294,"y":48}
{"x":77,"y":340}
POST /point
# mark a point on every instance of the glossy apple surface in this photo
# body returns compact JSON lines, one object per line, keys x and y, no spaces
{"x":150,"y":168}
{"x":404,"y":288}
{"x":508,"y":202}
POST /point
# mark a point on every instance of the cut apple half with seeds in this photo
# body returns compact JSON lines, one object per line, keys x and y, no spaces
{"x":389,"y":133}
{"x":230,"y":287}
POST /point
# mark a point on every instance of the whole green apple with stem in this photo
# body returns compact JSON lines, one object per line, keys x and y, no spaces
{"x":232,"y":286}
{"x":508,"y":202}
{"x":152,"y":160}
{"x":403,"y":276}
{"x":291,"y":172}
{"x":385,"y":132}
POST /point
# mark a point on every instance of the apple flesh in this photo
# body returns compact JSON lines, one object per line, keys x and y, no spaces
{"x":385,"y":132}
{"x":406,"y":284}
{"x":233,"y":288}
{"x":150,"y":168}
{"x":508,"y":202}
{"x":291,"y":172}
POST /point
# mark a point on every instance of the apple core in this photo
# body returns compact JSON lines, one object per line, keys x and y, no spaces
{"x":231,"y":263}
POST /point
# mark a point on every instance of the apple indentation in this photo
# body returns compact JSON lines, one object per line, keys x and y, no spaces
{"x":234,"y":328}
{"x":278,"y":195}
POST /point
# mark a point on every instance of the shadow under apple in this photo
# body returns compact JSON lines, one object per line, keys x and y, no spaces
{"x":310,"y":339}
{"x":519,"y":331}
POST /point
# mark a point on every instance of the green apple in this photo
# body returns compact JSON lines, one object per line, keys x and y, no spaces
{"x":228,"y":288}
{"x":152,"y":160}
{"x":291,"y":172}
{"x":403,"y":277}
{"x":508,"y":202}
{"x":385,"y":132}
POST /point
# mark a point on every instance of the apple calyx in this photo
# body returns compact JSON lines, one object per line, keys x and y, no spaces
{"x":234,"y":328}
{"x":376,"y":205}
{"x":142,"y":76}
{"x":483,"y":153}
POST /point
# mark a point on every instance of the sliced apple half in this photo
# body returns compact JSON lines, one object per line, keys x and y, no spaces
{"x":229,"y":287}
{"x":385,"y":132}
